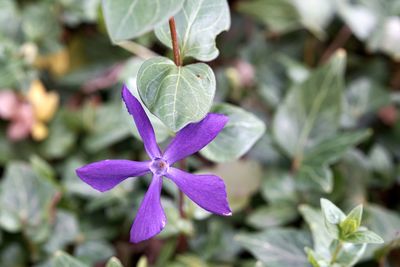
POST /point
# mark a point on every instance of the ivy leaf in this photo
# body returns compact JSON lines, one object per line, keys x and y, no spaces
{"x":176,"y":95}
{"x":63,"y":259}
{"x":198,"y":24}
{"x":303,"y":120}
{"x":238,"y":136}
{"x":29,"y":205}
{"x":277,"y":247}
{"x":127,"y":19}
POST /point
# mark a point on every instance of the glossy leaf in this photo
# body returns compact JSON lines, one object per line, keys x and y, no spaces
{"x":198,"y":24}
{"x":238,"y":136}
{"x":126,"y":19}
{"x":176,"y":95}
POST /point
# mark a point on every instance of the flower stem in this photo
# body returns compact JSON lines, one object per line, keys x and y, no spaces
{"x":175,"y":43}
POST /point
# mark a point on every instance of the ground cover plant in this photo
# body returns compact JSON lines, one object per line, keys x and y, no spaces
{"x":264,"y":132}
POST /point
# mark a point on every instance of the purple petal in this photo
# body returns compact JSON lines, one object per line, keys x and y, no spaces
{"x":142,"y":122}
{"x":104,"y":175}
{"x":208,"y":191}
{"x":150,"y":218}
{"x":194,"y":137}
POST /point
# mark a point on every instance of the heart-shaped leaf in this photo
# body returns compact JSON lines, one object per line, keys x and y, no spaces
{"x":127,"y":19}
{"x":198,"y":24}
{"x":238,"y":136}
{"x":176,"y":95}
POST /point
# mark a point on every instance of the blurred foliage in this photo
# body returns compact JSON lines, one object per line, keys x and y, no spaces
{"x":332,"y":131}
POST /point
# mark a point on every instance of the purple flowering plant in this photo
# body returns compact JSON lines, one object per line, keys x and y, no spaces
{"x":208,"y":191}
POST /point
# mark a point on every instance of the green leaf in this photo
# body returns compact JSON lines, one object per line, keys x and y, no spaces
{"x":363,"y":95}
{"x":364,"y":237}
{"x":279,"y":186}
{"x":66,"y":222}
{"x":93,"y":251}
{"x":277,"y":247}
{"x":176,"y":95}
{"x":331,"y":212}
{"x":316,"y":222}
{"x":61,"y":259}
{"x":273,"y":215}
{"x":280,"y":15}
{"x":349,"y":255}
{"x":114,"y":262}
{"x":315,"y":15}
{"x":352,"y":221}
{"x":315,"y":177}
{"x":198,"y":24}
{"x":109,"y":128}
{"x":25,"y":198}
{"x":328,"y":151}
{"x":303,"y":120}
{"x":127,"y":19}
{"x":238,"y":136}
{"x":60,"y":140}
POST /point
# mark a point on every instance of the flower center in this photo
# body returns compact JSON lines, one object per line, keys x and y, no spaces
{"x":159,"y":166}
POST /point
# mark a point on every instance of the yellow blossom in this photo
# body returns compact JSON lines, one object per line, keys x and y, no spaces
{"x":39,"y":131}
{"x":44,"y":104}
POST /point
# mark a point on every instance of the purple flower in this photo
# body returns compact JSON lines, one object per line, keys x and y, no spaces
{"x":208,"y":191}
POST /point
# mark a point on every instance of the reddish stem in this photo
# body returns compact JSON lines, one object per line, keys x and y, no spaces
{"x":175,"y":43}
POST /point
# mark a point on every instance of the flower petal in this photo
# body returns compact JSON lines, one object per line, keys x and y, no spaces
{"x":194,"y":137}
{"x":150,"y":218}
{"x":142,"y":122}
{"x":208,"y":191}
{"x":104,"y":175}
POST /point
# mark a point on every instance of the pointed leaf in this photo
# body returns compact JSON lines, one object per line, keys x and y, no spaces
{"x":198,"y":24}
{"x":127,"y":19}
{"x":331,"y":212}
{"x":176,"y":95}
{"x":310,"y":113}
